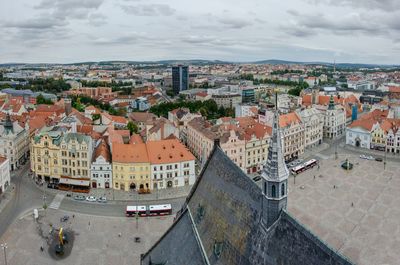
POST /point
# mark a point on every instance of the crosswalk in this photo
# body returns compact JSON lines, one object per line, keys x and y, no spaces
{"x":55,"y":204}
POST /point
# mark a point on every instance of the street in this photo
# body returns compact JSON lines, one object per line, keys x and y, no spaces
{"x":26,"y":197}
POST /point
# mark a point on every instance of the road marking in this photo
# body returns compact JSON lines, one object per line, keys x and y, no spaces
{"x":55,"y":204}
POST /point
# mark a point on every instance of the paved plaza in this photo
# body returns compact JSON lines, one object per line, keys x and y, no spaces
{"x":96,"y":241}
{"x":356,"y":212}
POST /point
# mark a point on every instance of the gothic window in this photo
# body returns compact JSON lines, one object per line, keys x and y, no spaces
{"x":273,"y":191}
{"x":283,"y":189}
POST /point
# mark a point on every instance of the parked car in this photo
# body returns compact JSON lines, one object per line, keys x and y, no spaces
{"x":91,"y":198}
{"x":102,"y":199}
{"x":79,"y":197}
{"x":370,"y":158}
{"x":379,"y":159}
{"x":257,"y":178}
{"x":363,"y":156}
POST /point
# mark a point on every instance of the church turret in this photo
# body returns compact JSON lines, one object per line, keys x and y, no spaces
{"x":331,"y":103}
{"x":8,"y":125}
{"x":275,"y":175}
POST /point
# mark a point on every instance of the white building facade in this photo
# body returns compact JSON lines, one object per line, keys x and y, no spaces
{"x":313,"y":121}
{"x":334,"y":121}
{"x":4,"y":174}
{"x":358,"y":137}
{"x":101,"y":168}
{"x":14,"y":143}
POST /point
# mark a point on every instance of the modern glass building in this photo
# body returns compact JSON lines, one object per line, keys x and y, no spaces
{"x":248,"y":95}
{"x":180,"y":78}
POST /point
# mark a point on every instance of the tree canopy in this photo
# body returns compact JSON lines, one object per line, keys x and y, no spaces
{"x":207,"y":108}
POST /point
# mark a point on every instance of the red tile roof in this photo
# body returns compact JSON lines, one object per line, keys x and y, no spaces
{"x":168,"y":151}
{"x":129,"y":153}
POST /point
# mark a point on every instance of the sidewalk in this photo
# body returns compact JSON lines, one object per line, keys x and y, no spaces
{"x":6,"y":196}
{"x":370,"y":151}
{"x":118,"y":195}
{"x":162,"y":194}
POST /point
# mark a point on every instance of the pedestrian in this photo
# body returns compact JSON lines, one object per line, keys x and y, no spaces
{"x":119,"y":234}
{"x":73,"y":216}
{"x":314,"y":177}
{"x":41,"y":248}
{"x":352,"y":204}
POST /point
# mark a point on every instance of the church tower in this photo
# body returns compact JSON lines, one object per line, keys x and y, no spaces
{"x":275,"y":175}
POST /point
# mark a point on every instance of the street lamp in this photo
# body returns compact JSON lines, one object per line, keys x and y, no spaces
{"x":384,"y":160}
{"x":4,"y":247}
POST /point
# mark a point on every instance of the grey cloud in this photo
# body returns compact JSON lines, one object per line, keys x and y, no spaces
{"x":126,"y":39}
{"x":149,"y":10}
{"x":76,"y":9}
{"x":234,"y":23}
{"x":386,"y":5}
{"x":303,"y":25}
{"x":65,"y":5}
{"x":97,"y":19}
{"x":41,"y":22}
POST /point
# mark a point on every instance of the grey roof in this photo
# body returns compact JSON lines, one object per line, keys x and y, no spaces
{"x":78,"y":137}
{"x":178,"y":246}
{"x":223,"y":222}
{"x":275,"y":168}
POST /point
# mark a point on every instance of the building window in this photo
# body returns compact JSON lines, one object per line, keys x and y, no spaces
{"x":273,"y":191}
{"x":283,"y":189}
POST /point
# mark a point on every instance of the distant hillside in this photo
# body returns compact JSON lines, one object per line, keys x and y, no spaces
{"x":207,"y":62}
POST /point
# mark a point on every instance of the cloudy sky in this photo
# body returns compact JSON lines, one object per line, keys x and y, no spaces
{"x":364,"y":31}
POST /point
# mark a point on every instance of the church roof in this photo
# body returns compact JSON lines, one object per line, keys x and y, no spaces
{"x":223,"y":222}
{"x":226,"y":219}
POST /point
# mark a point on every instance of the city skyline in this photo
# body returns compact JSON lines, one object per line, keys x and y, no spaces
{"x":98,"y":30}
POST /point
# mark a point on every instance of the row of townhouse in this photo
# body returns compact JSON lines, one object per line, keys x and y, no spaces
{"x":76,"y":161}
{"x":152,"y":165}
{"x":244,"y":141}
{"x":375,"y":131}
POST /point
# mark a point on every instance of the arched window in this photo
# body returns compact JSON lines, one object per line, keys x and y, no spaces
{"x":273,"y":191}
{"x":283,"y":189}
{"x":265,"y":188}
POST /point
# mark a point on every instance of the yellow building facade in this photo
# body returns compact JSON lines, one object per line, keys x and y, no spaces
{"x":45,"y":156}
{"x":131,"y":167}
{"x":131,"y":176}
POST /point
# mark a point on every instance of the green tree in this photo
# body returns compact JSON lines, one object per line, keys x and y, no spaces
{"x":295,"y":91}
{"x":132,"y":127}
{"x":41,"y":100}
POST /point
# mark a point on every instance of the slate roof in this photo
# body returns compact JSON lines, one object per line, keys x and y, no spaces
{"x":226,"y":210}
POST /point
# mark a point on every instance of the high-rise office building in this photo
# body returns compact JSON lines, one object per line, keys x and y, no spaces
{"x":180,"y":78}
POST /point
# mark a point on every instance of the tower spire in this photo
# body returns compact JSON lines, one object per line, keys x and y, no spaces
{"x":275,"y":167}
{"x":331,"y":105}
{"x":275,"y":174}
{"x":8,"y":125}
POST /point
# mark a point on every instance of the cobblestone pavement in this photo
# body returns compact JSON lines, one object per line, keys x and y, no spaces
{"x":96,"y":239}
{"x":356,"y":212}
